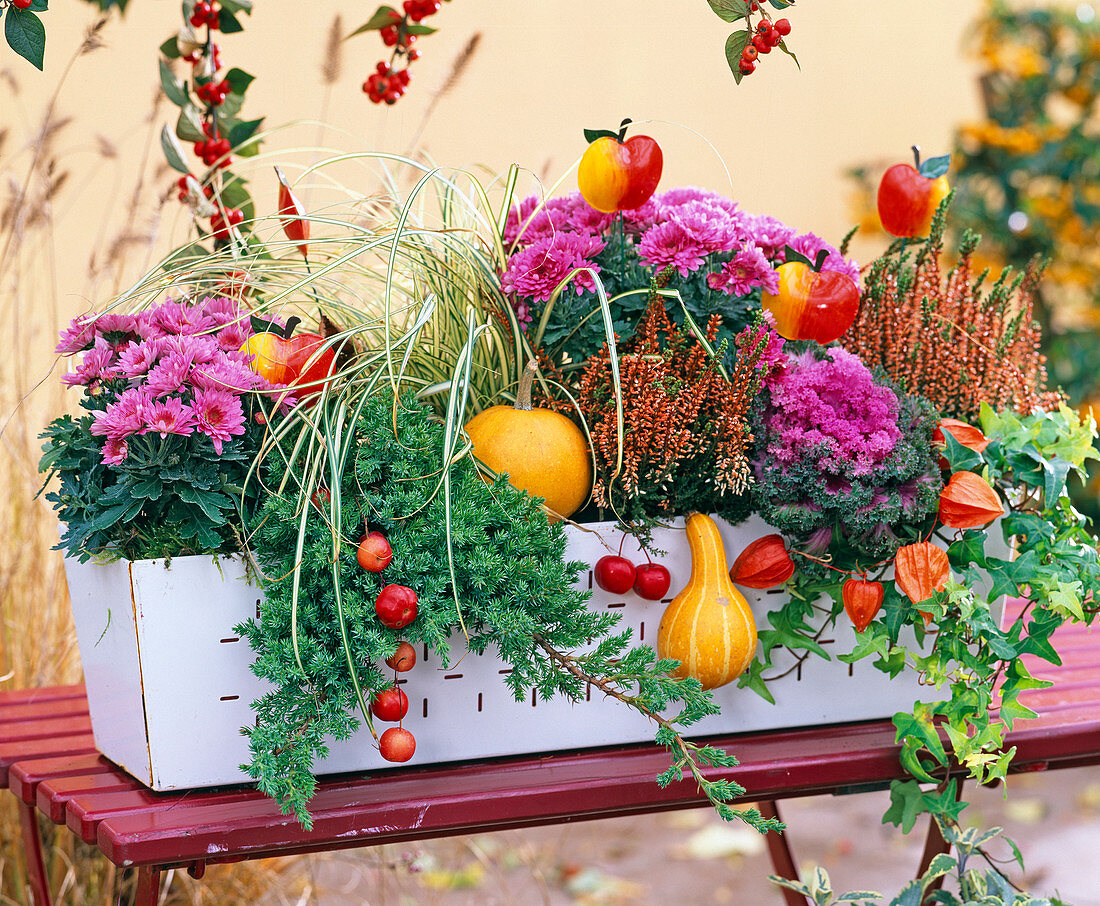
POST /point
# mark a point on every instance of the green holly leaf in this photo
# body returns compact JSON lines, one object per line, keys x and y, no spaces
{"x":228,"y":24}
{"x":189,"y":124}
{"x":238,"y":6}
{"x":239,"y":80}
{"x":38,"y":6}
{"x":170,"y":48}
{"x":240,"y":133}
{"x":26,"y":35}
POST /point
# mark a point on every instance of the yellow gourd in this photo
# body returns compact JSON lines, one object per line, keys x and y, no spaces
{"x":708,"y":627}
{"x":541,"y":451}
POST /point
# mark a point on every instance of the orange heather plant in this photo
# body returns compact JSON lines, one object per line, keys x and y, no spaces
{"x":685,"y":433}
{"x":946,"y":339}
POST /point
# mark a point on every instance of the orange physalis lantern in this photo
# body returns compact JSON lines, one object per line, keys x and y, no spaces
{"x":862,"y":600}
{"x":920,"y":570}
{"x":965,"y":434}
{"x":765,"y":563}
{"x":968,"y":502}
{"x":292,"y":215}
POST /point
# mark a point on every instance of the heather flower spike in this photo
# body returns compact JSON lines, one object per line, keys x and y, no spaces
{"x":292,"y":215}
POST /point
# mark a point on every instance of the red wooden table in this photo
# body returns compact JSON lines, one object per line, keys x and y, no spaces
{"x":49,"y":762}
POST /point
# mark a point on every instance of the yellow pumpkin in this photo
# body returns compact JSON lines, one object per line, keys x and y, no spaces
{"x":708,"y":627}
{"x":541,"y":451}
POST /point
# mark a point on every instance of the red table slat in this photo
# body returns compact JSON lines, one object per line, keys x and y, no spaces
{"x":32,"y":749}
{"x":54,"y":796}
{"x":40,"y":694}
{"x":51,"y":708}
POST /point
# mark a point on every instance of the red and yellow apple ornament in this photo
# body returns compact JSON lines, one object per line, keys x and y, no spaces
{"x":617,"y":173}
{"x":908,"y":195}
{"x":812,"y":304}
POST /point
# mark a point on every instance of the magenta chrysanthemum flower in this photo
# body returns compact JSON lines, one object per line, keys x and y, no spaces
{"x":183,"y":318}
{"x":671,"y":243}
{"x":78,"y":336}
{"x":834,"y":405}
{"x":115,"y":451}
{"x":137,"y":358}
{"x":236,"y":377}
{"x":98,"y":364}
{"x":770,"y":235}
{"x":169,"y":374}
{"x":233,"y":335}
{"x":538,"y":270}
{"x":747,"y":270}
{"x":169,"y":416}
{"x":127,"y":416}
{"x":221,"y":309}
{"x":218,"y":415}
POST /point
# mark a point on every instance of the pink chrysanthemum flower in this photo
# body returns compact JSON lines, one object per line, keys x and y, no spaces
{"x":169,"y":416}
{"x":138,"y":358}
{"x":78,"y":336}
{"x":218,"y":415}
{"x":127,"y":416}
{"x":169,"y":374}
{"x":220,"y":309}
{"x":182,"y":318}
{"x":769,"y":234}
{"x":671,"y":243}
{"x":98,"y":364}
{"x":538,"y":270}
{"x":233,"y":335}
{"x":233,"y":376}
{"x":115,"y":451}
{"x":747,"y":270}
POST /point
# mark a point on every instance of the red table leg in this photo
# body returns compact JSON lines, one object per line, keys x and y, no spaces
{"x":148,"y":886}
{"x":780,"y":853}
{"x":32,"y":851}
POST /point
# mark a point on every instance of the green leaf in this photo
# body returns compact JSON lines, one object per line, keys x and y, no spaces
{"x":379,"y":20}
{"x":189,"y":124}
{"x":918,"y":726}
{"x":590,"y":135}
{"x":26,"y":35}
{"x":1054,"y":479}
{"x":173,"y":151}
{"x":170,"y":48}
{"x":238,"y":6}
{"x":940,"y":865}
{"x":736,"y":43}
{"x":910,"y":895}
{"x":228,"y":24}
{"x":959,"y":457}
{"x":935,"y":167}
{"x":239,"y":80}
{"x":38,"y":6}
{"x":420,"y":30}
{"x":783,"y":47}
{"x":241,"y":132}
{"x":173,"y":88}
{"x":730,"y":10}
{"x":781,"y":4}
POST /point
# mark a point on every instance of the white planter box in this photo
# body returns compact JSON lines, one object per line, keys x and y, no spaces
{"x":169,"y":685}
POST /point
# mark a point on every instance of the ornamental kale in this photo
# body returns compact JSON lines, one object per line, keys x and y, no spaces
{"x":844,"y":462}
{"x":156,"y":465}
{"x":722,"y":257}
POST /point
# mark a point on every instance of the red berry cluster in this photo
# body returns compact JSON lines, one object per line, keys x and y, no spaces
{"x":768,"y":35}
{"x":386,"y":85}
{"x":208,"y":191}
{"x":388,"y":82}
{"x":214,"y":149}
{"x":214,"y":93}
{"x":220,"y":225}
{"x":205,"y":14}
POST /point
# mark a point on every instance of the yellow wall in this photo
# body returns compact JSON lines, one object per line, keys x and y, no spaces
{"x":876,"y":76}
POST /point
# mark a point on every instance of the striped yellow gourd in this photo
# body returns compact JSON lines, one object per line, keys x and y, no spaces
{"x":708,"y":627}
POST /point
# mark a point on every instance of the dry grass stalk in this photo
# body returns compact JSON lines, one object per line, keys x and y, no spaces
{"x":334,"y":52}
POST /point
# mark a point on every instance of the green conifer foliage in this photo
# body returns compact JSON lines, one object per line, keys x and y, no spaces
{"x":515,"y":595}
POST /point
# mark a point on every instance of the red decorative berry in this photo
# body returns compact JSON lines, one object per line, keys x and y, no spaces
{"x":652,"y":581}
{"x":750,"y":53}
{"x":390,"y":704}
{"x":397,"y":744}
{"x":403,"y":659}
{"x":783,"y":26}
{"x":762,"y":26}
{"x":747,"y":66}
{"x":21,"y":4}
{"x":774,"y":37}
{"x":396,"y":606}
{"x":614,"y":574}
{"x":761,"y":44}
{"x":374,"y":553}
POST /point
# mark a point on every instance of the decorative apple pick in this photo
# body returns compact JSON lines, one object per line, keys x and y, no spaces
{"x":909,"y":195}
{"x":292,"y":215}
{"x":812,"y":304}
{"x":617,"y":173}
